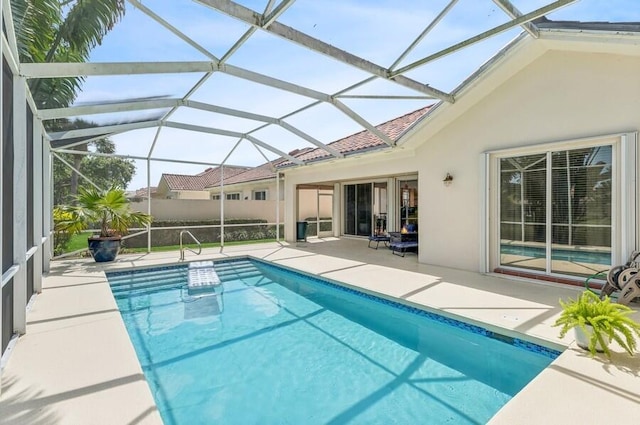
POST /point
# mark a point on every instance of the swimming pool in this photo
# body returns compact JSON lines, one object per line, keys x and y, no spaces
{"x":279,"y":347}
{"x":592,"y":257}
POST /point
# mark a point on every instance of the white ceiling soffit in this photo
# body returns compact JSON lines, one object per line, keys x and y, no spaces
{"x":267,"y":22}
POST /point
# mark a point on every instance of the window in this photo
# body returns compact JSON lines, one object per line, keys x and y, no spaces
{"x":259,"y":195}
{"x":555,"y":210}
{"x":233,"y":196}
{"x":215,"y":197}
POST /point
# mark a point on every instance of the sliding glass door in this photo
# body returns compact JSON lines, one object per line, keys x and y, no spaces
{"x":365,"y":208}
{"x":408,"y":204}
{"x":555,"y":211}
{"x":358,"y":209}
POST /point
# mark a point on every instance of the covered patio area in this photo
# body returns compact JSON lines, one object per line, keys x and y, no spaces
{"x":76,"y":363}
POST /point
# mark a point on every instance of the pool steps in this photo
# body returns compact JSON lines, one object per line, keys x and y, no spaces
{"x":126,"y":284}
{"x":170,"y":277}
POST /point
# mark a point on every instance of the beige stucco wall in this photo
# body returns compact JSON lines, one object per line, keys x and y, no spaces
{"x":190,"y":194}
{"x":246,"y":189}
{"x":561,"y":96}
{"x":308,"y":205}
{"x":536,"y":95}
{"x":368,"y":167}
{"x":196,"y":209}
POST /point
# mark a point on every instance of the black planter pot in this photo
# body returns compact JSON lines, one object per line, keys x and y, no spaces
{"x":104,"y":249}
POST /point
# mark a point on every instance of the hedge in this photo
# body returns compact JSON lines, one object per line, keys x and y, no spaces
{"x":165,"y":237}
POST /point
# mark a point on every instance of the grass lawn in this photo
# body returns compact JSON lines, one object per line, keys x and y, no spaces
{"x":78,"y":241}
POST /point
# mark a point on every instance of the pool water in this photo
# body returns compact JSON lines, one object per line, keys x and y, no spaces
{"x":591,"y":257}
{"x":278,"y":347}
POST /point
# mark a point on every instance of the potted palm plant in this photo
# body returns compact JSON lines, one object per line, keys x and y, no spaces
{"x":597,"y":322}
{"x":108,"y":210}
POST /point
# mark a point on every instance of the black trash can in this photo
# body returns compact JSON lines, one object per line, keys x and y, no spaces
{"x":301,"y":230}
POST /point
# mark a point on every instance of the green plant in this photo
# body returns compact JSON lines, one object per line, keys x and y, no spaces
{"x":108,"y":210}
{"x":61,"y":237}
{"x":608,"y":321}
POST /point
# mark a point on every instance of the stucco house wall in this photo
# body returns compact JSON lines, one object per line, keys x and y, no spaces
{"x":204,"y":209}
{"x":308,"y":205}
{"x":555,"y":90}
{"x":247,"y":189}
{"x":562,"y":96}
{"x":373,"y":166}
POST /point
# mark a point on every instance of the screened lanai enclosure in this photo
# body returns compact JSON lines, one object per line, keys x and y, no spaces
{"x":132,"y":93}
{"x":231,"y":103}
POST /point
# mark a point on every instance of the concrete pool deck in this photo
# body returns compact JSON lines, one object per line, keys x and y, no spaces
{"x":76,"y":364}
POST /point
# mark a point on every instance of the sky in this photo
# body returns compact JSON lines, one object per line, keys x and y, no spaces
{"x":377,"y":30}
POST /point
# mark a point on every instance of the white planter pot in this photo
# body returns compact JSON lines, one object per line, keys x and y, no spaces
{"x":582,"y":338}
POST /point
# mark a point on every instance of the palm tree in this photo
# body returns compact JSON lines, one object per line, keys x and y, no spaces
{"x":108,"y":209}
{"x":61,"y":31}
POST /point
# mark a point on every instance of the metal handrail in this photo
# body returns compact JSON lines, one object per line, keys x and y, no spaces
{"x":183,"y":248}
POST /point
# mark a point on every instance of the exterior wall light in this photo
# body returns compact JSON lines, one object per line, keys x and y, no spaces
{"x":448,"y":179}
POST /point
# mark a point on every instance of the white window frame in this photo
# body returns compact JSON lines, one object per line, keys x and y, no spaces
{"x":263,"y":191}
{"x":233,"y":196}
{"x":625,"y":202}
{"x":215,"y":197}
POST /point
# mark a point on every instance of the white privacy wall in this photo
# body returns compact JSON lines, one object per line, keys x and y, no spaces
{"x":560,"y":96}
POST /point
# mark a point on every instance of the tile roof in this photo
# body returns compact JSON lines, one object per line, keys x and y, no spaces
{"x":143,"y":192}
{"x":365,"y":140}
{"x":207,"y":178}
{"x":262,"y":172}
{"x":359,"y":142}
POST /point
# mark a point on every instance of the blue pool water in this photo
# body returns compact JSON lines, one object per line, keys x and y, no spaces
{"x":278,"y":347}
{"x":591,"y":257}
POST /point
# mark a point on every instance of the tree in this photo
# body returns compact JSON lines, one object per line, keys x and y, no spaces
{"x":61,"y":31}
{"x":103,"y":171}
{"x":66,"y":31}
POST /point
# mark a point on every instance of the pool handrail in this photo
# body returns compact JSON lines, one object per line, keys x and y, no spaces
{"x":183,"y":248}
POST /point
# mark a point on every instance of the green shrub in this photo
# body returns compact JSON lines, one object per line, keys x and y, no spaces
{"x":61,"y":237}
{"x":609,"y":321}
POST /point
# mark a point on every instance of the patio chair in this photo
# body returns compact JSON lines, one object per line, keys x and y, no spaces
{"x":377,"y":239}
{"x":401,"y":242}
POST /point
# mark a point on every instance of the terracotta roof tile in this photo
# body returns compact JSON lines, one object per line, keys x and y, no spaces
{"x":209,"y":177}
{"x":143,"y":191}
{"x":365,"y":140}
{"x":261,"y":172}
{"x":358,"y":142}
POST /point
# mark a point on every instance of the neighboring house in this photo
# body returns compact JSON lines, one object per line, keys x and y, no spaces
{"x":258,"y":183}
{"x":315,"y":202}
{"x":180,"y":186}
{"x":143,"y":193}
{"x":542,"y":146}
{"x":254,"y":184}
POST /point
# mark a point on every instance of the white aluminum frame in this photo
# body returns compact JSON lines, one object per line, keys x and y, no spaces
{"x":624,"y":229}
{"x":267,"y":21}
